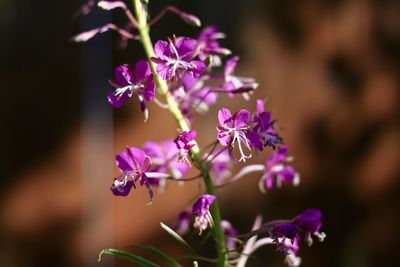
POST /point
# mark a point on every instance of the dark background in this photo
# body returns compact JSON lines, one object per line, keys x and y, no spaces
{"x":329,"y":68}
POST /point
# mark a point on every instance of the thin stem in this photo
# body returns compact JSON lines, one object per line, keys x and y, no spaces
{"x":162,"y":89}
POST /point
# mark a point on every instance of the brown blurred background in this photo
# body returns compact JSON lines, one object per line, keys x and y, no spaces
{"x":329,"y":68}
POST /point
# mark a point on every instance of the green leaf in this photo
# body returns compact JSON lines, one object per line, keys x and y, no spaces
{"x":179,"y":239}
{"x":128,"y":256}
{"x":160,"y":254}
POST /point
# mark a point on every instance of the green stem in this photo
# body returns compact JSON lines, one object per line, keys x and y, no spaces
{"x":162,"y":89}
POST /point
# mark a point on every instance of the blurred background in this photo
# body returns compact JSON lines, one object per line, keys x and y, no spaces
{"x":330,"y":70}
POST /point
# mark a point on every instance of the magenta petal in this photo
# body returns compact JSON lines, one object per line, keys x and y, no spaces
{"x":188,"y":81}
{"x":123,"y":75}
{"x":124,"y":161}
{"x":122,"y":187}
{"x":199,"y":69}
{"x":224,"y":116}
{"x":149,"y":90}
{"x":185,"y":47}
{"x":141,"y":161}
{"x":117,"y":102}
{"x":255,"y":141}
{"x":164,"y":71}
{"x":162,"y":49}
{"x":241,"y":118}
{"x":202,"y":205}
{"x":142,"y":70}
{"x":230,"y":65}
{"x":260,"y":105}
{"x":310,"y":220}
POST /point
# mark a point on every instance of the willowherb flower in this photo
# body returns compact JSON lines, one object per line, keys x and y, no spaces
{"x":134,"y":165}
{"x":220,"y":166}
{"x":201,"y":209}
{"x":192,"y":94}
{"x":310,"y":221}
{"x":164,"y":156}
{"x":184,"y":142}
{"x":183,"y":223}
{"x":208,"y":46}
{"x":230,"y":233}
{"x":263,"y":126}
{"x":286,"y":237}
{"x":176,"y":57}
{"x":235,"y":84}
{"x":277,"y":172}
{"x":130,"y":81}
{"x":232,"y":130}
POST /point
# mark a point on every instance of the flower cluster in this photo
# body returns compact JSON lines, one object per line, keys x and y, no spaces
{"x":287,"y":235}
{"x":239,"y":129}
{"x":180,"y":70}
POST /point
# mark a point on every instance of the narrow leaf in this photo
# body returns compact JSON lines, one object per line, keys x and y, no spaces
{"x":179,"y":239}
{"x":128,"y":256}
{"x":160,"y":254}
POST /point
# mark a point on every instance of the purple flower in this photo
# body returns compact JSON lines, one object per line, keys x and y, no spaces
{"x":264,"y":128}
{"x":232,"y":130}
{"x":193,"y":95}
{"x":287,"y":230}
{"x":208,"y":46}
{"x":286,"y":237}
{"x":310,"y":221}
{"x":220,"y":168}
{"x":276,"y":171}
{"x":184,"y":142}
{"x":201,"y":209}
{"x":230,"y":233}
{"x":164,"y":156}
{"x":128,"y":82}
{"x":177,"y":57}
{"x":235,"y":84}
{"x":183,"y":224}
{"x":134,"y":165}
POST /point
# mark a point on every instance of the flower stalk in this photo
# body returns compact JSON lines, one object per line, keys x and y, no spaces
{"x":162,"y":89}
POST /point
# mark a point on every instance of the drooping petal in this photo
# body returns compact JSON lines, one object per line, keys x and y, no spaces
{"x":149,"y":189}
{"x":122,"y":186}
{"x":117,"y":101}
